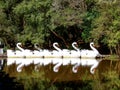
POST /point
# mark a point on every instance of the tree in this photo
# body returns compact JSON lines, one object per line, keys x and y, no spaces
{"x":66,"y":19}
{"x":24,"y":21}
{"x":107,"y":25}
{"x":6,"y":25}
{"x":35,"y":20}
{"x":88,"y":17}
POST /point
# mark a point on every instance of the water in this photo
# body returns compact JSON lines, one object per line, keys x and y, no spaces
{"x":62,"y":70}
{"x":65,"y":69}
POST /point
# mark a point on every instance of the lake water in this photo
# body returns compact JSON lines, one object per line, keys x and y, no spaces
{"x":60,"y":70}
{"x":66,"y":69}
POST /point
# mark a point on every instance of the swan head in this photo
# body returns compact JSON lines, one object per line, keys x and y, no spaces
{"x":75,"y":46}
{"x":19,"y":43}
{"x":19,"y":46}
{"x":92,"y":43}
{"x":55,"y":43}
{"x":36,"y":46}
{"x":74,"y":42}
{"x":56,"y":46}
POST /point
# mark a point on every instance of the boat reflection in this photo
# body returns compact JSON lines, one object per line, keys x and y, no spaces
{"x":2,"y":61}
{"x":56,"y":62}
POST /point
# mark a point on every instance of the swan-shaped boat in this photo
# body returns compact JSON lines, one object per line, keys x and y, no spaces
{"x":26,"y":53}
{"x":75,"y":53}
{"x":61,"y":53}
{"x":21,"y":53}
{"x":38,"y":52}
{"x":57,"y":52}
{"x":89,"y":53}
{"x":16,"y":53}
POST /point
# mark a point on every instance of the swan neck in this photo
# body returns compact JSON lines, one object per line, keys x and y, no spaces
{"x":58,"y":49}
{"x":73,"y":45}
{"x":94,"y":49}
{"x":37,"y":47}
{"x":20,"y":47}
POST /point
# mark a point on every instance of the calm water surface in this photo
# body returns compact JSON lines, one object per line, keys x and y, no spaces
{"x":61,"y":69}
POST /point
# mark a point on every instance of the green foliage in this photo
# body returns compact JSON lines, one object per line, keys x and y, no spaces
{"x":79,"y":20}
{"x":35,"y":16}
{"x":67,"y":13}
{"x":88,"y":18}
{"x":107,"y":25}
{"x":27,"y":20}
{"x":101,"y":23}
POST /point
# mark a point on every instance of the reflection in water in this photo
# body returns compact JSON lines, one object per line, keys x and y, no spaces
{"x":72,"y":73}
{"x":2,"y":63}
{"x":9,"y":83}
{"x":57,"y":63}
{"x":90,"y":62}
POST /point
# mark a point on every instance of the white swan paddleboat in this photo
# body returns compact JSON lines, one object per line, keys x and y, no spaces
{"x":57,"y":53}
{"x":85,"y":53}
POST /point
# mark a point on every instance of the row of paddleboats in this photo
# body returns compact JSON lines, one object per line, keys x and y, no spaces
{"x":56,"y":53}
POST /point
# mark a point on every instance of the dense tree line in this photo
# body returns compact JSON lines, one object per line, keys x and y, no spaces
{"x":64,"y":21}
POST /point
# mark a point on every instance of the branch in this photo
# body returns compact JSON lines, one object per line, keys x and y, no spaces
{"x":59,"y":38}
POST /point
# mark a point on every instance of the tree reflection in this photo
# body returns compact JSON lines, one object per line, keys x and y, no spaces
{"x":9,"y":83}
